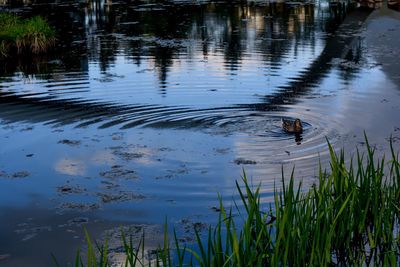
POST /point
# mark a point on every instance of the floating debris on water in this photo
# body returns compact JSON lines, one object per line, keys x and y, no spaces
{"x":241,"y":161}
{"x":78,"y":221}
{"x":32,"y":232}
{"x":70,"y":142}
{"x":67,"y":189}
{"x":116,"y":252}
{"x":119,"y":197}
{"x":82,"y":207}
{"x":19,"y":174}
{"x":118,"y":172}
{"x":190,"y":227}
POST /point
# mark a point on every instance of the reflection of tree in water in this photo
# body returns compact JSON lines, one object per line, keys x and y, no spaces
{"x":228,"y":28}
{"x":68,"y":21}
{"x":292,"y":28}
{"x":350,"y":67}
{"x":394,"y":4}
{"x":354,"y":59}
{"x":235,"y":29}
{"x":163,"y":57}
{"x":213,"y":27}
{"x":331,"y":17}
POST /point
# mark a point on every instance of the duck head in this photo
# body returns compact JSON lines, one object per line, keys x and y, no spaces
{"x":297,"y":126}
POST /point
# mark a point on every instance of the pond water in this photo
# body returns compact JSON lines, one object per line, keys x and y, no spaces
{"x":147,"y":110}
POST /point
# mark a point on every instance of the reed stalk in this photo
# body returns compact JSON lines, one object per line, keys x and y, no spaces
{"x":351,"y":217}
{"x":32,"y":35}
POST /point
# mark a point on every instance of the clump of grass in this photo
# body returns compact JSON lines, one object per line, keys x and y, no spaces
{"x":350,"y":218}
{"x":31,"y":35}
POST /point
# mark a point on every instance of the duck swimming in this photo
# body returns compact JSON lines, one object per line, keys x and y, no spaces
{"x":292,"y":126}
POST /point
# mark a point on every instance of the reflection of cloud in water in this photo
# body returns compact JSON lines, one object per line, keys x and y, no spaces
{"x":153,"y":240}
{"x":145,"y":155}
{"x":70,"y":167}
{"x":103,"y":157}
{"x":147,"y":158}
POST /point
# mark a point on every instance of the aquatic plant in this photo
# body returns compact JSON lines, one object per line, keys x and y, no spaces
{"x":30,"y":35}
{"x":350,"y":217}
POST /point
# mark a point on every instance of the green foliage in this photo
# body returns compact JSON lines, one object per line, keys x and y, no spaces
{"x":350,"y":218}
{"x":33,"y":35}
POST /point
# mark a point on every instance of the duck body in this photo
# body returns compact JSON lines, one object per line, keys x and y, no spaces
{"x":290,"y":126}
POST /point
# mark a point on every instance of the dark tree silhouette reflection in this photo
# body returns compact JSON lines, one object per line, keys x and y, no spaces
{"x":160,"y":35}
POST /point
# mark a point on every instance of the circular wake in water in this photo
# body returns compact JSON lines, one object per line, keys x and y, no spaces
{"x":261,"y":126}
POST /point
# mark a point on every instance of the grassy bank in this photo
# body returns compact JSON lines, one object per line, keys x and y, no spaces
{"x":351,"y":217}
{"x":32,"y":35}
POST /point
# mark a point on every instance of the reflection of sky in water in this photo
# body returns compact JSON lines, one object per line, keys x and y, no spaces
{"x":194,"y":82}
{"x":198,"y":80}
{"x":179,"y":168}
{"x":167,"y":155}
{"x":190,"y":82}
{"x":70,"y":167}
{"x":226,"y":60}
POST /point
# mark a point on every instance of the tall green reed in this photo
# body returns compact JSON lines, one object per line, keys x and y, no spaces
{"x":31,"y":35}
{"x":351,"y":216}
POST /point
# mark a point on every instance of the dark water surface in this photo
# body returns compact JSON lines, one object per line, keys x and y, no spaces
{"x":149,"y":109}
